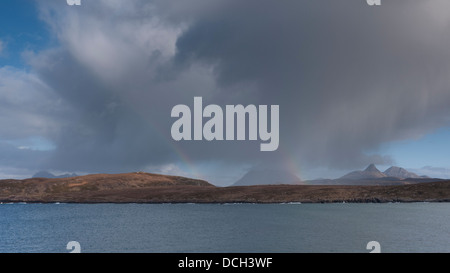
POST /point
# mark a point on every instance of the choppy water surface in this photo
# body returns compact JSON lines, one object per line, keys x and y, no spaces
{"x":415,"y":227}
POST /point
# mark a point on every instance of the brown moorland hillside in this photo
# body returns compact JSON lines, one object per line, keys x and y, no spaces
{"x":154,"y":188}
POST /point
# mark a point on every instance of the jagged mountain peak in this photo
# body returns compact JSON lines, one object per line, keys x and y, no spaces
{"x":371,"y":168}
{"x":371,"y":172}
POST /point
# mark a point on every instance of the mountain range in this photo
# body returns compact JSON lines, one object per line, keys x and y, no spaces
{"x":371,"y":172}
{"x":369,"y":176}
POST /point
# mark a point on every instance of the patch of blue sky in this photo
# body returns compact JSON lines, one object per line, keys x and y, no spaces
{"x":32,"y":143}
{"x":431,"y":149}
{"x":21,"y":30}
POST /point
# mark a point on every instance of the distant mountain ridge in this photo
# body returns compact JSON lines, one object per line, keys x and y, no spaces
{"x":46,"y":174}
{"x":373,"y":176}
{"x":369,"y":176}
{"x":371,"y":172}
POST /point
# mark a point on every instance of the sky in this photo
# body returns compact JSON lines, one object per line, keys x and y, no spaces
{"x":90,"y":88}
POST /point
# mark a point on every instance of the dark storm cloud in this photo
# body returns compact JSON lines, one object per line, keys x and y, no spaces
{"x":347,"y":77}
{"x":105,"y":133}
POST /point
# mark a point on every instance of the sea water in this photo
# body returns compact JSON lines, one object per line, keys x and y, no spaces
{"x":243,"y":228}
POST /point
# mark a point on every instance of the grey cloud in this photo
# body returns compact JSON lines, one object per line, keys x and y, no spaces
{"x":123,"y":102}
{"x":347,"y":77}
{"x":106,"y":133}
{"x":28,"y":107}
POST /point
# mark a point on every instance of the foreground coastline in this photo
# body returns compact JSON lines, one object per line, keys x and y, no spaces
{"x":153,"y":188}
